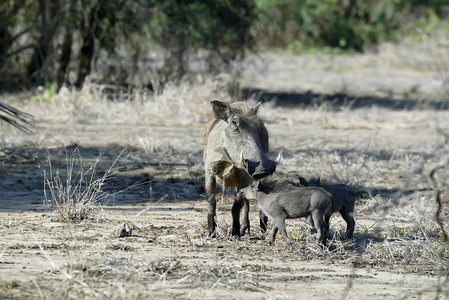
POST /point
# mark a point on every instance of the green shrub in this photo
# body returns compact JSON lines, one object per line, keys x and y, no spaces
{"x":50,"y":91}
{"x":347,"y":24}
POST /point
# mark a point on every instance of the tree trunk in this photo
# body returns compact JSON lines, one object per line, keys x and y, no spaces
{"x":65,"y":56}
{"x":87,"y":52}
{"x":6,"y":38}
{"x":84,"y":59}
{"x":37,"y":71}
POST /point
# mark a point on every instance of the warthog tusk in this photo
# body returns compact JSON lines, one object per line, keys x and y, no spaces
{"x":242,"y":159}
{"x":278,"y":159}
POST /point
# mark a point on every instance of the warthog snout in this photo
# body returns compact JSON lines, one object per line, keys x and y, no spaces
{"x":260,"y":169}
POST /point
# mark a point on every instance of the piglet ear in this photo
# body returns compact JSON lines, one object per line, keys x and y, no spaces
{"x":303,"y":181}
{"x":222,"y":109}
{"x":254,"y":109}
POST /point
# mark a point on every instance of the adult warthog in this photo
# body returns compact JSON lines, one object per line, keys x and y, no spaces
{"x":235,"y":149}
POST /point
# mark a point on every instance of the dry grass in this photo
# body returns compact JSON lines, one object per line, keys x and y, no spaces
{"x":78,"y":194}
{"x":180,"y":104}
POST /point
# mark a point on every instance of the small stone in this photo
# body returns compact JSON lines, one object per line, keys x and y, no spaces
{"x":123,"y":230}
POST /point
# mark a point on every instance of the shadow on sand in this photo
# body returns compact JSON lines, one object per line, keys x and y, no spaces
{"x":293,"y":99}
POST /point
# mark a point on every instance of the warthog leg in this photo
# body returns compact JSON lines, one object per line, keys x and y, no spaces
{"x":245,"y":222}
{"x":320,"y":225}
{"x":313,"y":229}
{"x":327,"y":218}
{"x":210,"y":186}
{"x":350,"y":223}
{"x":263,"y":219}
{"x":274,"y":231}
{"x":326,"y":224}
{"x":279,"y":224}
{"x":239,"y":202}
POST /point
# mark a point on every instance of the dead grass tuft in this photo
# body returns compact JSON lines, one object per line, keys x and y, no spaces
{"x":76,"y":195}
{"x":181,"y":104}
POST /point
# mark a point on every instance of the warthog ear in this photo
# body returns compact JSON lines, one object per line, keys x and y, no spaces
{"x":303,"y":181}
{"x":254,"y":109}
{"x":222,"y":109}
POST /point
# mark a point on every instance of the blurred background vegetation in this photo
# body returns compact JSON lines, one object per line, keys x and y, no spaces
{"x":52,"y":43}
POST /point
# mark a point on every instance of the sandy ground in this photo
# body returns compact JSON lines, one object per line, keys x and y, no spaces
{"x":157,"y":189}
{"x":410,"y":71}
{"x":168,"y":254}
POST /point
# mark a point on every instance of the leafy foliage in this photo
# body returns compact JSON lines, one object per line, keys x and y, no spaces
{"x":349,"y":24}
{"x":65,"y":41}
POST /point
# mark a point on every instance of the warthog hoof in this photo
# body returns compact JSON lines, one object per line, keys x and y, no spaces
{"x":243,"y":229}
{"x":236,"y":237}
{"x":235,"y":233}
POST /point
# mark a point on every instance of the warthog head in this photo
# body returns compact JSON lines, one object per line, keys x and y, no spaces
{"x":245,"y":139}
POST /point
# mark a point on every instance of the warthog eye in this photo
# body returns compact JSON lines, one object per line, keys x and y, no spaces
{"x":235,"y":124}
